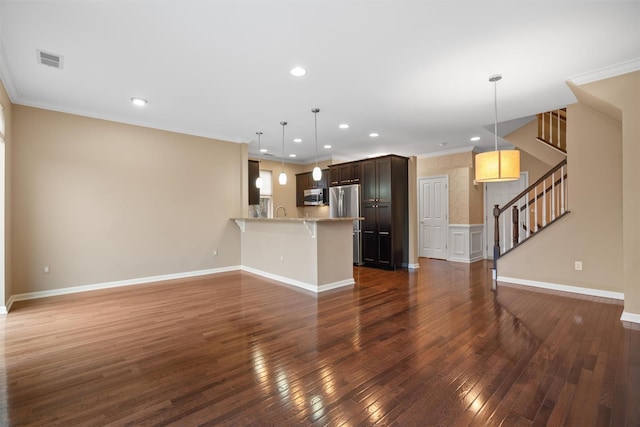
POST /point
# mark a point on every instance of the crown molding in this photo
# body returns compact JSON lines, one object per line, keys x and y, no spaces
{"x":447,"y":152}
{"x":5,"y":76}
{"x":606,"y":72}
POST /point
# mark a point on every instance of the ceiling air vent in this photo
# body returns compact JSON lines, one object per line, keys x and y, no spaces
{"x":50,"y":59}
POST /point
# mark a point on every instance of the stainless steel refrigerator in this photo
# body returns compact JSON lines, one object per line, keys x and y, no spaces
{"x":344,"y":202}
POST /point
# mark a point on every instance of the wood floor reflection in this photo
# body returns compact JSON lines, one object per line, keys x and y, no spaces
{"x":433,"y":346}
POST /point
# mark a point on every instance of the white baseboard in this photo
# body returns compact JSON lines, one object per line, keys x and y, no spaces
{"x":299,"y":284}
{"x":465,"y":260}
{"x":630,"y":317}
{"x":563,"y":288}
{"x":151,"y":279}
{"x":115,"y":284}
{"x":413,"y":266}
{"x":336,"y":285}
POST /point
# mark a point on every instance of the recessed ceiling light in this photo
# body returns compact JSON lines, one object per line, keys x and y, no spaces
{"x":374,"y":135}
{"x":298,"y":71}
{"x":475,"y":138}
{"x":297,"y":140}
{"x":263,"y":150}
{"x":292,"y":155}
{"x":139,"y":102}
{"x":327,"y":146}
{"x":344,"y":126}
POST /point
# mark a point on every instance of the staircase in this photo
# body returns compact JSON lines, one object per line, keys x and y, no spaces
{"x":552,"y":129}
{"x":543,"y":202}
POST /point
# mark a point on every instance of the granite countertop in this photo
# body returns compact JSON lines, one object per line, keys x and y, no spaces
{"x":292,"y":219}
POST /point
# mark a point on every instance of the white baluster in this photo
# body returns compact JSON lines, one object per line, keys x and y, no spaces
{"x":553,"y":196}
{"x":562,"y":201}
{"x":544,"y":203}
{"x":535,"y":207}
{"x":559,"y":143}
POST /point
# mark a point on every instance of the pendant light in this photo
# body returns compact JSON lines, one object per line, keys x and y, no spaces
{"x":259,"y":178}
{"x":282,"y":179}
{"x":497,"y":165}
{"x":317,"y":173}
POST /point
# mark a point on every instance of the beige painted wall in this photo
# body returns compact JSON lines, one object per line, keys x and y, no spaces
{"x":535,"y":168}
{"x":623,"y":93}
{"x":5,"y":269}
{"x":465,"y":199}
{"x":525,"y":139}
{"x":592,"y":233}
{"x":100,"y":201}
{"x":535,"y":157}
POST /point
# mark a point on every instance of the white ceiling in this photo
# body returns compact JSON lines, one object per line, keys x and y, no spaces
{"x":416,"y":72}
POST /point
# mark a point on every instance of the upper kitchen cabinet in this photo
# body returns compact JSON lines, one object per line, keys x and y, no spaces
{"x":254,"y":173}
{"x":382,"y":176}
{"x":305,"y":181}
{"x":345,"y":173}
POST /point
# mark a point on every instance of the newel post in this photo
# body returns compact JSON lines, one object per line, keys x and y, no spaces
{"x":496,"y":237}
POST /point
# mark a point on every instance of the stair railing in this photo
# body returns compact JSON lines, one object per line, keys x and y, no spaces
{"x":535,"y":208}
{"x":552,"y":129}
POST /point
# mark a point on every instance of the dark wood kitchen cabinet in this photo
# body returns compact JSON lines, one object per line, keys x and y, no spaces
{"x":345,"y":173}
{"x":305,"y":181}
{"x":385,"y":209}
{"x":302,"y":180}
{"x":254,"y":173}
{"x":378,"y":180}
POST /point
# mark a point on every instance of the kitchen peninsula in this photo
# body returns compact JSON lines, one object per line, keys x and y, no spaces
{"x":315,"y":254}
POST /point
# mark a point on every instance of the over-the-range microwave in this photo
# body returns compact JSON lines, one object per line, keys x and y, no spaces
{"x":315,"y":197}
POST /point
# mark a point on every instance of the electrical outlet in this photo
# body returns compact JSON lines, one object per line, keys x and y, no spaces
{"x":578,"y":265}
{"x":281,"y":258}
{"x":215,"y":252}
{"x":45,"y":269}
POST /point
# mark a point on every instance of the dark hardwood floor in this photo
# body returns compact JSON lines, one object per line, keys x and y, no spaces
{"x":408,"y":348}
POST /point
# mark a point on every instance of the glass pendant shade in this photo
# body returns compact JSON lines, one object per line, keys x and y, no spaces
{"x":282,"y":178}
{"x":317,"y":174}
{"x":498,"y":166}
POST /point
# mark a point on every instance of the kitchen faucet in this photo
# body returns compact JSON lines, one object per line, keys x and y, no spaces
{"x":278,"y":209}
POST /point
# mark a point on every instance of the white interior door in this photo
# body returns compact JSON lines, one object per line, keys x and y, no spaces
{"x":499,"y":193}
{"x":433,"y":213}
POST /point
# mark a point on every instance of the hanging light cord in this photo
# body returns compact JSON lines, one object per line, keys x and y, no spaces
{"x":315,"y":119}
{"x":495,"y":111}
{"x":283,"y":125}
{"x":495,"y":79}
{"x":259,"y":147}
